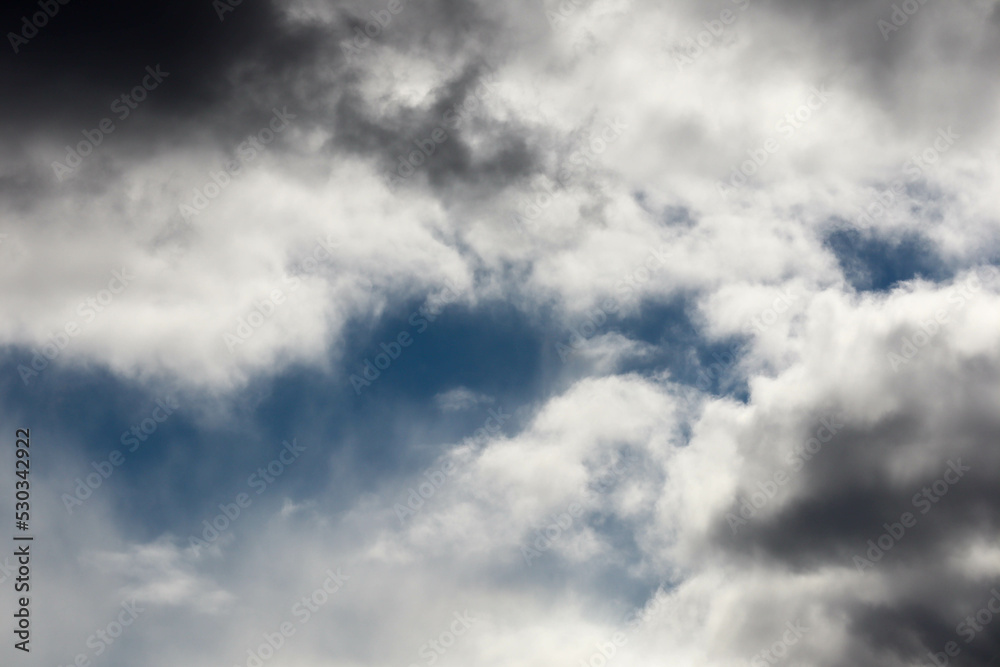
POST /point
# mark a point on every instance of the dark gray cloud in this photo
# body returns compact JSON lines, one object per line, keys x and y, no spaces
{"x":430,"y":145}
{"x":222,"y":76}
{"x":88,"y":55}
{"x":852,"y":488}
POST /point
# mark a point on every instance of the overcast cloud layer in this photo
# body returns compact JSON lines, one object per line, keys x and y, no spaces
{"x":593,"y":332}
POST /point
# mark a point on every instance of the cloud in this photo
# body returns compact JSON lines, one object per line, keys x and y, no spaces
{"x":460,"y":398}
{"x":731,"y":281}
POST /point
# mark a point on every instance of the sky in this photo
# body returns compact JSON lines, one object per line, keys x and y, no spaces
{"x":386,"y":333}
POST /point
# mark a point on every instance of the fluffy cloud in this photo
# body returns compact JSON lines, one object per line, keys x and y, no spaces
{"x":750,"y":246}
